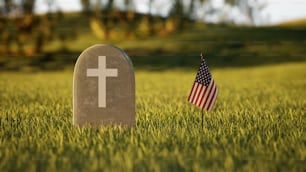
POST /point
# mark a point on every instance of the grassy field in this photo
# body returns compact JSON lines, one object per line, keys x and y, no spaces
{"x":258,"y":124}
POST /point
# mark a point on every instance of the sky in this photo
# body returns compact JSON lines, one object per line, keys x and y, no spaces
{"x":275,"y":11}
{"x":285,"y":10}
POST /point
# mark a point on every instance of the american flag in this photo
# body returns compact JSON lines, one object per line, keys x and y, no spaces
{"x":204,"y":90}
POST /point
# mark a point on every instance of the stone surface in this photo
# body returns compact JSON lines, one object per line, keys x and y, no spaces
{"x":103,"y":87}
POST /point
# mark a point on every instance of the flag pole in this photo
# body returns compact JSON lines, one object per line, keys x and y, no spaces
{"x":202,"y":120}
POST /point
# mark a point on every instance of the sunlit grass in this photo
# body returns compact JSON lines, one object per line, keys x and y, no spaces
{"x":294,"y":23}
{"x":258,"y":124}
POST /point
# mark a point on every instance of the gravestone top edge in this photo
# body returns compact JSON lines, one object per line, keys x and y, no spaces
{"x":97,"y":46}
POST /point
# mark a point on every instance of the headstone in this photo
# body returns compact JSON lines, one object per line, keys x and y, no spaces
{"x":103,"y":87}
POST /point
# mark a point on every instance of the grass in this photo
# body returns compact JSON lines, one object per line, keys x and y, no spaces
{"x":294,"y":23}
{"x":258,"y":124}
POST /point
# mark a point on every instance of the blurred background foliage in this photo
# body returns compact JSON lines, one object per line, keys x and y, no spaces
{"x":30,"y":41}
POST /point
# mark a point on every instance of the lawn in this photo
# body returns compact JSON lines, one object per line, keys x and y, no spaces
{"x":258,"y":123}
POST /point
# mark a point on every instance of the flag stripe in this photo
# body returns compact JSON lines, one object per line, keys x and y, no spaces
{"x":198,"y":94}
{"x":212,"y":95}
{"x":201,"y":96}
{"x":213,"y":100}
{"x":207,"y":94}
{"x":195,"y":91}
{"x":210,"y":98}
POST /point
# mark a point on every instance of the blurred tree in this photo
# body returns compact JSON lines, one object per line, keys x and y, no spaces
{"x":102,"y":19}
{"x":232,"y":2}
{"x":46,"y":27}
{"x":146,"y":25}
{"x":128,"y":21}
{"x":8,"y":33}
{"x":176,"y":18}
{"x":24,"y":24}
{"x":28,"y":6}
{"x":23,"y":27}
{"x":18,"y":19}
{"x":86,"y":7}
{"x":105,"y":17}
{"x":108,"y":18}
{"x":151,"y":21}
{"x":18,"y":23}
{"x":191,"y":8}
{"x":251,"y":8}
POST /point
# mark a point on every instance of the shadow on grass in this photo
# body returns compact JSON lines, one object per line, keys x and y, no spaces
{"x":160,"y":60}
{"x":151,"y":60}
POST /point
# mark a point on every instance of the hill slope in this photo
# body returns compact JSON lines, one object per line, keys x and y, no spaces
{"x":294,"y":23}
